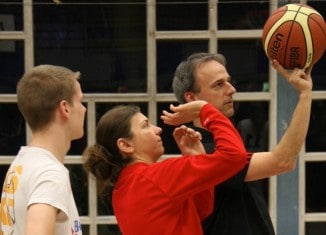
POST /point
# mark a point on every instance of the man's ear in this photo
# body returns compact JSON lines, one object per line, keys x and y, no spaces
{"x":190,"y":96}
{"x":63,"y":108}
{"x":124,"y":146}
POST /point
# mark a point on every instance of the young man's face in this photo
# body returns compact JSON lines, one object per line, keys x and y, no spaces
{"x":213,"y":81}
{"x":78,"y":111}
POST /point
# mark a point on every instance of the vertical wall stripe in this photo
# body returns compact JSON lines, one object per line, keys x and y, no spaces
{"x":287,"y":184}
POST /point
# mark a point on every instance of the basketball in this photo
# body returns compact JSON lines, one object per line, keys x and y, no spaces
{"x":295,"y":35}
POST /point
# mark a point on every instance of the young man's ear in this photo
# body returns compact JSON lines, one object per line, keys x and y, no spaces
{"x":190,"y":96}
{"x":124,"y":146}
{"x":63,"y":108}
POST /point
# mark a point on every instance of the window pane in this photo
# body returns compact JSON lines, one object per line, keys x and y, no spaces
{"x":108,"y":230}
{"x":106,"y":42}
{"x":104,"y":206}
{"x":11,"y":13}
{"x":247,"y":63}
{"x":78,"y":146}
{"x":12,"y":64}
{"x":319,"y":74}
{"x":315,"y":194}
{"x":168,"y":141}
{"x":85,"y":229}
{"x":169,"y":55}
{"x":316,"y":228}
{"x":315,"y":141}
{"x":3,"y":172}
{"x":12,"y":129}
{"x":79,"y":181}
{"x":251,"y":120}
{"x":182,"y":15}
{"x":242,"y":14}
{"x":320,"y":6}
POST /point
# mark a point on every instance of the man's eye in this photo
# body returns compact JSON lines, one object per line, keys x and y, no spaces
{"x":219,"y":84}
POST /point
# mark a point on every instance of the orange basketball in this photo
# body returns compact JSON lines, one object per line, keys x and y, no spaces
{"x":295,"y":35}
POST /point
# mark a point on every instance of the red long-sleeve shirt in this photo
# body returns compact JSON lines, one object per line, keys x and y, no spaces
{"x":171,"y":197}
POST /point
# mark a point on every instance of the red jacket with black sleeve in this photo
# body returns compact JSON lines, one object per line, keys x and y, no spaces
{"x":172,"y":196}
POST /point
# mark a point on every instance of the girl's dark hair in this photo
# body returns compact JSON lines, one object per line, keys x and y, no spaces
{"x":104,"y":159}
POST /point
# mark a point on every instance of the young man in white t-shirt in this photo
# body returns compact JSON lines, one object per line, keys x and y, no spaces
{"x":36,"y":197}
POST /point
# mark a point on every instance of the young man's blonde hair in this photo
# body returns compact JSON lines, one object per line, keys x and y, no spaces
{"x":41,"y":89}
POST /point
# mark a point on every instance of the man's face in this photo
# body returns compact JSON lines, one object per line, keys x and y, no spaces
{"x":214,"y":85}
{"x":77,"y":113}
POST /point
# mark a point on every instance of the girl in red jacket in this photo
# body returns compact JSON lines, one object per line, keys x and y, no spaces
{"x":169,"y":197}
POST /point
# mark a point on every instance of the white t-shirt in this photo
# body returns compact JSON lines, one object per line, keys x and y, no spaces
{"x":36,"y":176}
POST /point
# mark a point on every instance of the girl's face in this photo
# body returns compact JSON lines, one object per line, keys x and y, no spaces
{"x":146,"y":141}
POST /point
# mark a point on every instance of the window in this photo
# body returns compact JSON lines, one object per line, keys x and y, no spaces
{"x":127,"y":52}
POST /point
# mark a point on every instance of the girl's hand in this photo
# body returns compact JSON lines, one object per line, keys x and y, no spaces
{"x":182,"y":113}
{"x":188,"y":140}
